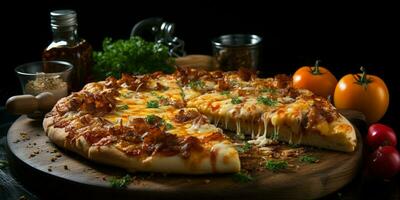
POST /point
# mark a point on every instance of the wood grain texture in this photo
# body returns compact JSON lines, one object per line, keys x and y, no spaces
{"x":33,"y":157}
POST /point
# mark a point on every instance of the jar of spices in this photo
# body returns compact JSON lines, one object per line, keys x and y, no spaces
{"x":237,"y":50}
{"x":68,"y":46}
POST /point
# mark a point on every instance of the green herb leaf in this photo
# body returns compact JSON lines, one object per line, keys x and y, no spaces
{"x":266,"y":101}
{"x":196,"y":84}
{"x":169,"y":126}
{"x":236,"y":100}
{"x":120,"y":182}
{"x":134,"y":55}
{"x":242,"y":177}
{"x":225,"y":92}
{"x":153,"y":104}
{"x":276,"y":165}
{"x":151,"y":119}
{"x":245,"y":148}
{"x":3,"y":164}
{"x":308,"y":159}
{"x":122,"y":107}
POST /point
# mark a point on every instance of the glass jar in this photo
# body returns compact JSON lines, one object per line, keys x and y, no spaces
{"x":237,"y":50}
{"x":68,"y":46}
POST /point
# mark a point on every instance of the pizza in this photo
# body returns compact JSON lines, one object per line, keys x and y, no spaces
{"x":179,"y":123}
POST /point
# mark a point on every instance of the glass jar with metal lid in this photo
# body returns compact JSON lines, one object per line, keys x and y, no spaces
{"x":237,"y":50}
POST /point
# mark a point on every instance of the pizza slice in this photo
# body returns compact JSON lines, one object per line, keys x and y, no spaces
{"x":140,"y":124}
{"x":271,"y":109}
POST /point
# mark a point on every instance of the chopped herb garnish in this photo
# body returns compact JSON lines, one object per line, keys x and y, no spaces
{"x":225,"y":92}
{"x":242,"y":177}
{"x":151,"y":119}
{"x":308,"y":159}
{"x":196,"y":84}
{"x":276,"y":165}
{"x":123,"y":107}
{"x":3,"y":164}
{"x":245,"y":148}
{"x":236,"y":100}
{"x":266,"y":101}
{"x":153,"y":104}
{"x":268,"y":90}
{"x":169,"y":126}
{"x":120,"y":182}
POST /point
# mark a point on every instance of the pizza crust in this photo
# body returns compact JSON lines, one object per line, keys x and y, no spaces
{"x":226,"y":157}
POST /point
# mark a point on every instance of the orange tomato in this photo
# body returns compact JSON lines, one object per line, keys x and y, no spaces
{"x":365,"y":93}
{"x":317,"y":79}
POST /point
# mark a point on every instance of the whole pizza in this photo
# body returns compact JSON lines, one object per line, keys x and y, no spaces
{"x":179,"y":123}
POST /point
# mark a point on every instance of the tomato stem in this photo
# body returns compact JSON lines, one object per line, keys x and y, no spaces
{"x":363,"y":79}
{"x":315,"y":69}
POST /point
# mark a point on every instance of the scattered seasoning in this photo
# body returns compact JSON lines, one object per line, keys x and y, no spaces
{"x":196,"y":84}
{"x":53,"y":159}
{"x":242,"y":177}
{"x":153,"y":104}
{"x":245,"y":148}
{"x":266,"y":101}
{"x":66,"y":167}
{"x":24,"y":136}
{"x":120,"y":182}
{"x":123,"y":107}
{"x":49,"y":169}
{"x":236,"y":100}
{"x":16,"y":141}
{"x":32,"y":155}
{"x":276,"y":165}
{"x":308,"y":159}
{"x":58,"y":155}
{"x":3,"y":164}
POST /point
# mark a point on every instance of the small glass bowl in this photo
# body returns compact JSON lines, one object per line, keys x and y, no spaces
{"x":45,"y":76}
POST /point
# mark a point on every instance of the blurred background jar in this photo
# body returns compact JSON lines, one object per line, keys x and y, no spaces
{"x":237,"y":50}
{"x":68,"y":46}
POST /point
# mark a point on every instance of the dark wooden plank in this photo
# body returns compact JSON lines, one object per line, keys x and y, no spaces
{"x":32,"y":153}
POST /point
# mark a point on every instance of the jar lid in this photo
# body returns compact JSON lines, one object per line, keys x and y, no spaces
{"x":237,"y":40}
{"x":63,"y":18}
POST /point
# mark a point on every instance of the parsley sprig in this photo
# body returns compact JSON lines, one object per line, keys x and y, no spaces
{"x":276,"y":165}
{"x":134,"y":55}
{"x":120,"y":182}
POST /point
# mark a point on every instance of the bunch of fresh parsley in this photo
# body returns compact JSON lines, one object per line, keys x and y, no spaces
{"x":134,"y":56}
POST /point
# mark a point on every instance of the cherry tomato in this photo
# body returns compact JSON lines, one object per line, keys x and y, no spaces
{"x":384,"y":162}
{"x":365,"y":93}
{"x":381,"y":135}
{"x":317,"y":79}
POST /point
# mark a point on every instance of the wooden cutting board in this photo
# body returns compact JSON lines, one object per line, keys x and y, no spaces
{"x":57,"y":174}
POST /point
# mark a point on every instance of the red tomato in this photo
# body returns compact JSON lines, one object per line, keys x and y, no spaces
{"x":384,"y":162}
{"x":381,"y":135}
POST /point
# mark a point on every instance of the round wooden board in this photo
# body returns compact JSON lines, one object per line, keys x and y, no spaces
{"x":71,"y":176}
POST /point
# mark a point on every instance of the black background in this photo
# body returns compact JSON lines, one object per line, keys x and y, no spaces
{"x":344,"y":36}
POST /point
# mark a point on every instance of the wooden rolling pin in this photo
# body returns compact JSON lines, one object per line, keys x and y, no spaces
{"x":26,"y":104}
